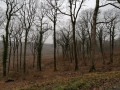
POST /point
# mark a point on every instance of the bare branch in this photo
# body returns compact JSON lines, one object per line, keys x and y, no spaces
{"x":113,"y":4}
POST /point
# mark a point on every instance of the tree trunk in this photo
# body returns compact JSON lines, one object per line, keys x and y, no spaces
{"x":102,"y":52}
{"x":4,"y":56}
{"x":93,"y":37}
{"x":111,"y":59}
{"x":112,"y":44}
{"x":40,"y":50}
{"x":25,"y":47}
{"x":71,"y":56}
{"x":101,"y":45}
{"x":17,"y":54}
{"x":20,"y":53}
{"x":34,"y":54}
{"x":5,"y":44}
{"x":55,"y":69}
{"x":83,"y":45}
{"x":14,"y":51}
{"x":9,"y":61}
{"x":74,"y":46}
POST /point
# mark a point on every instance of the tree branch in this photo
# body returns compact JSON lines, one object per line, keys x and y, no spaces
{"x":109,"y":4}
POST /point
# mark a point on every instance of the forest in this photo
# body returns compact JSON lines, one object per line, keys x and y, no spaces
{"x":59,"y":45}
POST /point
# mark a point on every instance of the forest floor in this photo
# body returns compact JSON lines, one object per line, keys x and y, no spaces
{"x":106,"y":77}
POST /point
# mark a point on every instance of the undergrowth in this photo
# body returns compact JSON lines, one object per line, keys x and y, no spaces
{"x":85,"y":82}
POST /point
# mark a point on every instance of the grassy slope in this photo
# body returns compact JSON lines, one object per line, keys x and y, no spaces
{"x":82,"y":82}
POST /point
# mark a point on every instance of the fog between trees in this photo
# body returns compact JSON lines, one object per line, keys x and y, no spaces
{"x":26,"y":24}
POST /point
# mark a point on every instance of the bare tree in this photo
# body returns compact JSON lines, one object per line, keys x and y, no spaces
{"x":93,"y":36}
{"x":82,"y":33}
{"x":10,"y":47}
{"x":33,"y":46}
{"x":52,"y":15}
{"x":93,"y":33}
{"x":12,"y":8}
{"x":15,"y":44}
{"x":27,"y":18}
{"x":100,"y":37}
{"x":42,"y":27}
{"x":86,"y":17}
{"x":111,"y":27}
{"x":20,"y":33}
{"x":101,"y":33}
{"x":74,"y":11}
{"x":64,"y":40}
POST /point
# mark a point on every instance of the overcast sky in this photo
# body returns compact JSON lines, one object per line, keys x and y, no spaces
{"x":88,"y":4}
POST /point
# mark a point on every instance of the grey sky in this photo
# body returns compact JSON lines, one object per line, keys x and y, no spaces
{"x":88,"y":4}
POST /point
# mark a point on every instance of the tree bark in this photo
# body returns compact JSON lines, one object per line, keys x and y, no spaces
{"x":9,"y":61}
{"x":5,"y":44}
{"x":20,"y":53}
{"x":14,"y":52}
{"x":74,"y":46}
{"x":93,"y":37}
{"x":40,"y":50}
{"x":55,"y":69}
{"x":17,"y":46}
{"x":101,"y":45}
{"x":25,"y":47}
